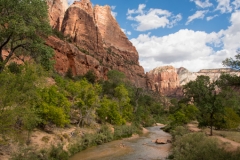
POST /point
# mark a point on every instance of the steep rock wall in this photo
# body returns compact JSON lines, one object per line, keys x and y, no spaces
{"x":95,"y":33}
{"x":165,"y":80}
{"x":168,"y":80}
{"x":185,"y":76}
{"x":56,"y":11}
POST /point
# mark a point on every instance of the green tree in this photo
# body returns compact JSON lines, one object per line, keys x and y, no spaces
{"x":23,"y":25}
{"x":109,"y":112}
{"x":88,"y":101}
{"x":53,"y":106}
{"x":126,"y":109}
{"x":18,"y":99}
{"x":203,"y":93}
{"x":184,"y":114}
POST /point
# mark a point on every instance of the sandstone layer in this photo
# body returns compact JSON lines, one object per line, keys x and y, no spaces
{"x":185,"y":76}
{"x":68,"y":56}
{"x":168,"y":80}
{"x":94,"y":33}
{"x":165,"y":80}
{"x":56,"y":11}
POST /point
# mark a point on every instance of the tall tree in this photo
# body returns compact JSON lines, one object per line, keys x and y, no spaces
{"x":23,"y":25}
{"x":207,"y":100}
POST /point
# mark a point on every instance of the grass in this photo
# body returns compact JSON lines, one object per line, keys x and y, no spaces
{"x":232,"y":135}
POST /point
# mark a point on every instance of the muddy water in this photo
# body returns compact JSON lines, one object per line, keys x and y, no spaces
{"x":141,"y":147}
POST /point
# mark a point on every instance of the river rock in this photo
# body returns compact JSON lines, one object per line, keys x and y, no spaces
{"x":161,"y":141}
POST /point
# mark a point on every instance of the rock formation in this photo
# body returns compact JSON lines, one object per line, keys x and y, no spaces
{"x":168,"y":80}
{"x":96,"y":42}
{"x":56,"y":11}
{"x":165,"y":80}
{"x":185,"y":76}
{"x":68,"y":56}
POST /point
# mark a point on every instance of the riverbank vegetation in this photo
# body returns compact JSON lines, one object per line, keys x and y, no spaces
{"x":33,"y":98}
{"x":214,"y":105}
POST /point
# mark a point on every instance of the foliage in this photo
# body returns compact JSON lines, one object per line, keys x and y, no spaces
{"x":18,"y":99}
{"x":125,"y":131}
{"x":54,"y":106}
{"x":85,"y":98}
{"x":54,"y":153}
{"x":194,"y":146}
{"x":204,"y":95}
{"x":109,"y":112}
{"x":23,"y":25}
{"x":228,"y":120}
{"x":90,"y":76}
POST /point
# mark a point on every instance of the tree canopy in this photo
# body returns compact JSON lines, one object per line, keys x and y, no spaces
{"x":23,"y":25}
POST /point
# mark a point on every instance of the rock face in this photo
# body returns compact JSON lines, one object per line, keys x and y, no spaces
{"x":165,"y":80}
{"x":185,"y":76}
{"x":68,"y":56}
{"x":56,"y":11}
{"x":112,"y":36}
{"x":79,"y":24}
{"x":168,"y":80}
{"x":96,"y":42}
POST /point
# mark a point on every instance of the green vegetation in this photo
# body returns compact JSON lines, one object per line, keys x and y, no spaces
{"x":194,"y":146}
{"x":23,"y":25}
{"x":216,"y":106}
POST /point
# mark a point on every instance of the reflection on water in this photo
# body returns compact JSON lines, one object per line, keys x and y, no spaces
{"x":130,"y":149}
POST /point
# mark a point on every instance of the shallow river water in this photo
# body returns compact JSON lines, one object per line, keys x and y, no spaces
{"x":142,"y":148}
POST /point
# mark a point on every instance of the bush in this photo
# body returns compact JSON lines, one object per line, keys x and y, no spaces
{"x":125,"y":131}
{"x":196,"y":146}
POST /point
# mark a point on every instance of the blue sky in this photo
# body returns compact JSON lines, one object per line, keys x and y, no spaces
{"x":195,"y":34}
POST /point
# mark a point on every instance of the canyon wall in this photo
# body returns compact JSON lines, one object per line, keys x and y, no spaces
{"x":92,"y":34}
{"x":56,"y":11}
{"x":168,"y":80}
{"x":93,"y":40}
{"x":165,"y":81}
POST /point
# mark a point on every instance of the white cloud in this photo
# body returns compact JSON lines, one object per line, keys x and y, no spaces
{"x":203,"y":4}
{"x":224,"y":6}
{"x":211,"y":17}
{"x":197,"y":15}
{"x":236,"y":3}
{"x":114,"y":14}
{"x":152,"y":19}
{"x":193,"y":50}
{"x":126,"y":32}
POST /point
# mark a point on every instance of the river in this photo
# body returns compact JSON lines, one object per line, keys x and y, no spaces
{"x":142,"y":147}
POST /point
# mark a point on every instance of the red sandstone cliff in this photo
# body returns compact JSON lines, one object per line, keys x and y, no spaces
{"x":165,"y":80}
{"x":56,"y":11}
{"x":168,"y":80}
{"x":94,"y":34}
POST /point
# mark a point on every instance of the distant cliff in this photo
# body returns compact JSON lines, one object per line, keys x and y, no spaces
{"x":168,"y":80}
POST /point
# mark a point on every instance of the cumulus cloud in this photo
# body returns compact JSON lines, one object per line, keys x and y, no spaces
{"x":224,"y":6}
{"x":236,"y":3}
{"x":202,"y":4}
{"x":211,"y":17}
{"x":126,"y":32}
{"x":114,"y":14}
{"x":152,"y":19}
{"x":197,"y":15}
{"x":193,"y":50}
